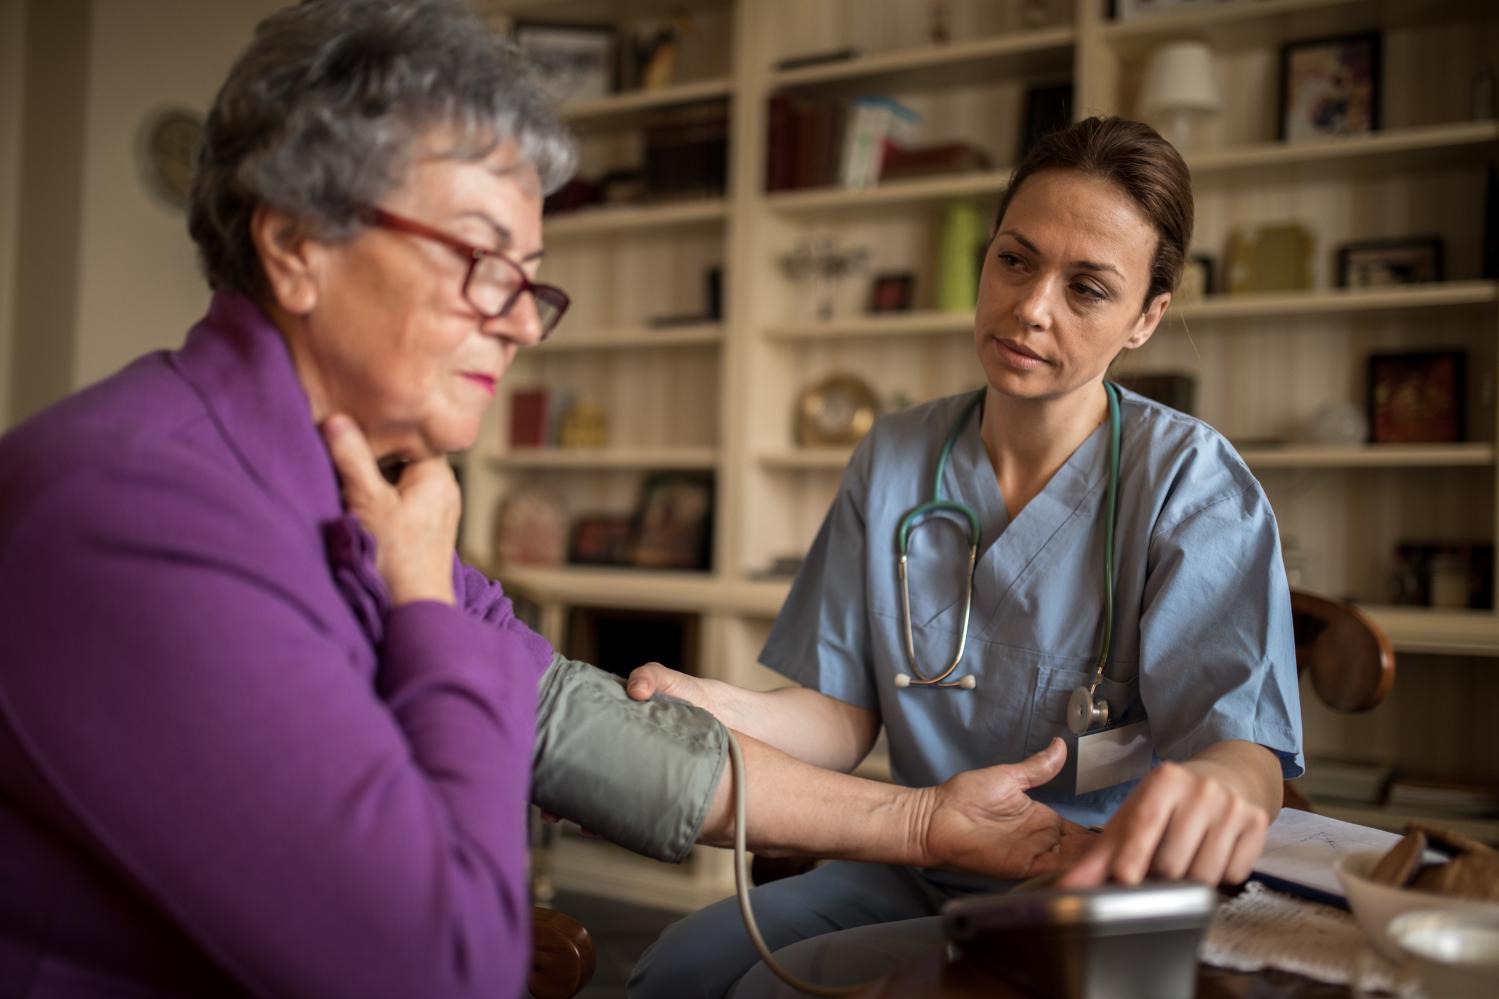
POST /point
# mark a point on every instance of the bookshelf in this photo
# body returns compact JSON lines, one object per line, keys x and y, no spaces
{"x":717,"y":396}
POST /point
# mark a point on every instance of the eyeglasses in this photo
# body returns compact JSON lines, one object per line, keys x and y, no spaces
{"x":494,"y":282}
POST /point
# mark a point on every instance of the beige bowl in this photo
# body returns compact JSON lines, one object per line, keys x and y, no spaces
{"x":1456,"y":954}
{"x":1375,"y":904}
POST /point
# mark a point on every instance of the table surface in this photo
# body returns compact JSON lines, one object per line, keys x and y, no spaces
{"x":934,"y":975}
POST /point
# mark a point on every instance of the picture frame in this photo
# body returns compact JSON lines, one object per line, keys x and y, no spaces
{"x":1330,"y":86}
{"x":674,"y":522}
{"x":602,"y":539}
{"x":1418,"y":398}
{"x":576,"y":62}
{"x":892,"y":292}
{"x":1380,"y":263}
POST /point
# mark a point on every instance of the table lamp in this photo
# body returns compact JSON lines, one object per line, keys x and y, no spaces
{"x":1180,"y":89}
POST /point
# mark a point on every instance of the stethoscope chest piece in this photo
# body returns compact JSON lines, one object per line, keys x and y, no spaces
{"x":1083,"y":712}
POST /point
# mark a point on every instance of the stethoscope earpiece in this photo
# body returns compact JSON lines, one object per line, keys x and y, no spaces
{"x":902,"y":680}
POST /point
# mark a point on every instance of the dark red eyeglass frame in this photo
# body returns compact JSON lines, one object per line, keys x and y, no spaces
{"x":551,"y":301}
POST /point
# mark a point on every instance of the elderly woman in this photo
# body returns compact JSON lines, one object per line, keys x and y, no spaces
{"x":259,"y":731}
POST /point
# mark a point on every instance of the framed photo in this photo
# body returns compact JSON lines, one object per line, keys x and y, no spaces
{"x":1329,"y":86}
{"x":577,"y":62}
{"x":602,"y":539}
{"x":892,"y":292}
{"x":674,"y":524}
{"x":1378,"y":263}
{"x":1418,"y":398}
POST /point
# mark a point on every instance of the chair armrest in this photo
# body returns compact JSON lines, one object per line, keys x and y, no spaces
{"x":562,"y":958}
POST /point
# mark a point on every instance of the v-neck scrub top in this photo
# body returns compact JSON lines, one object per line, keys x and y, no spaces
{"x":1203,"y":645}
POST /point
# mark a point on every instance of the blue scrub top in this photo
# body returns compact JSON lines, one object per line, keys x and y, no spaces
{"x":1203,"y":644}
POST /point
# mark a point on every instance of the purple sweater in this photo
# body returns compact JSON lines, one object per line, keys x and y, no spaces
{"x":226,"y":765}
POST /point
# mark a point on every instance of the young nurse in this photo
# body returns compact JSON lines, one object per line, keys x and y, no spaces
{"x":1175,"y":639}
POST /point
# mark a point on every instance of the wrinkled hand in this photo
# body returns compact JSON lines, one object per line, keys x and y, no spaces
{"x":982,"y":821}
{"x":651,"y":679}
{"x":414,"y":522}
{"x":1179,"y":823}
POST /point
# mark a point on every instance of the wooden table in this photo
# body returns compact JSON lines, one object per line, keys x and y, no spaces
{"x":934,"y":975}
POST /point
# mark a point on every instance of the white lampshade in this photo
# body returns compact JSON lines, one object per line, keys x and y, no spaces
{"x":1180,"y":86}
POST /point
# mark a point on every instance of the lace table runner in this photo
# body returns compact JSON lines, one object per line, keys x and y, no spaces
{"x":1261,"y":928}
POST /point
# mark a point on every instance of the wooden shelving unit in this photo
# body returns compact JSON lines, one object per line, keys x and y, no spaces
{"x":1265,"y":360}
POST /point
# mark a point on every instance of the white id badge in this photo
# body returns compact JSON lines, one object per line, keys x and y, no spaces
{"x":1113,"y":756}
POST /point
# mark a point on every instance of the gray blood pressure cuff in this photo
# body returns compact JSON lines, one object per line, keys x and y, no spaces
{"x":638,"y":773}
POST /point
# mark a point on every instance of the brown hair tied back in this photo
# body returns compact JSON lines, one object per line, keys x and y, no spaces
{"x":1135,"y":158}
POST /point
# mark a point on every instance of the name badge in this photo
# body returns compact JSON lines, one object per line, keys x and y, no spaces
{"x":1112,"y":756}
{"x":1103,"y":759}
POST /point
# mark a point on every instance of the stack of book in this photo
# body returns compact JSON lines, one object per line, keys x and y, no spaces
{"x":1341,"y":780}
{"x":823,"y":141}
{"x":536,"y":416}
{"x":686,"y":152}
{"x":1444,"y":797}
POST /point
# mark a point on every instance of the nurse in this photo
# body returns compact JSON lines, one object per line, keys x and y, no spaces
{"x":1187,"y":612}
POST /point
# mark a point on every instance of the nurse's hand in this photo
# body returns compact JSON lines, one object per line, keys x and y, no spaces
{"x":651,"y":679}
{"x":1196,"y":820}
{"x":984,"y":822}
{"x":414,"y":522}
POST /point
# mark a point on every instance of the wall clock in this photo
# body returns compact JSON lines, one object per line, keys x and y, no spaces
{"x":170,"y":142}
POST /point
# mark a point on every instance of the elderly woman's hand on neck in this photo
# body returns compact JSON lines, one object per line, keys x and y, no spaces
{"x":414,"y":521}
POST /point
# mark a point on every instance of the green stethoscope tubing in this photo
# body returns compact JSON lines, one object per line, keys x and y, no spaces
{"x":939,"y":503}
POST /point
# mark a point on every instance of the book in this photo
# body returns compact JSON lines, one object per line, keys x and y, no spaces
{"x":873,"y":123}
{"x":1300,"y":848}
{"x":529,"y":412}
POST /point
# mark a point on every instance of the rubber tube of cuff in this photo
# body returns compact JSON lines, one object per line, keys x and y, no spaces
{"x":741,"y":889}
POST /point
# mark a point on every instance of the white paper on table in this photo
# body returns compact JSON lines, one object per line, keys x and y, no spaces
{"x":1300,"y":848}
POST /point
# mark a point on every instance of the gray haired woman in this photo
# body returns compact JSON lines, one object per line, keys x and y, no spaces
{"x":260,"y":731}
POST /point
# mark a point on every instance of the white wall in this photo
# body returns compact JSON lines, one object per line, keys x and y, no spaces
{"x":139,"y":285}
{"x":46,"y":208}
{"x":12,"y":31}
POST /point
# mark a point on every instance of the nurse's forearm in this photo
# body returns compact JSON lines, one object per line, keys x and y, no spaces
{"x":803,"y":723}
{"x":795,"y":808}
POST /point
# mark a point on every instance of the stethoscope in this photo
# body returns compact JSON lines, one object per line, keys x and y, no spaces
{"x":1083,"y":710}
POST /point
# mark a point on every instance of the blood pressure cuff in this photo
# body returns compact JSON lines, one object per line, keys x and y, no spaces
{"x":638,"y":773}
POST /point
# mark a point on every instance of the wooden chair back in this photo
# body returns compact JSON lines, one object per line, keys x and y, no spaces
{"x":1347,"y":655}
{"x":1349,"y":658}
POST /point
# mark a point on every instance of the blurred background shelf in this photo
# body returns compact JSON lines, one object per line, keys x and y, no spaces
{"x":623,"y":110}
{"x":892,"y":193}
{"x":630,"y":338}
{"x":653,"y":589}
{"x":1024,"y":53}
{"x":634,"y":218}
{"x":1484,"y":829}
{"x":1392,"y":149}
{"x":583,"y":459}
